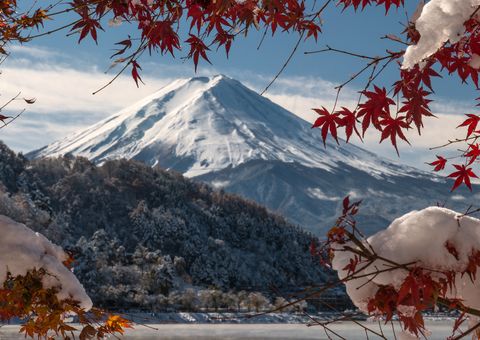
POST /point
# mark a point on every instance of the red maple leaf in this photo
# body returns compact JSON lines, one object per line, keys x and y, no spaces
{"x":327,"y":122}
{"x":389,"y":3}
{"x":376,"y":107}
{"x":197,"y":49}
{"x":2,"y":117}
{"x":363,"y":3}
{"x":461,"y":65}
{"x":393,"y":128}
{"x":471,"y":122}
{"x":197,"y":14}
{"x":473,"y":153}
{"x":224,"y":38}
{"x":87,"y":25}
{"x":439,"y":164}
{"x":135,"y":74}
{"x":352,"y":265}
{"x":416,"y":106}
{"x":462,"y":175}
{"x":349,"y":121}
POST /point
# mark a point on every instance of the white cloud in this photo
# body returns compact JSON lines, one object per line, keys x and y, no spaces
{"x":33,"y":51}
{"x":64,"y":100}
{"x":63,"y":90}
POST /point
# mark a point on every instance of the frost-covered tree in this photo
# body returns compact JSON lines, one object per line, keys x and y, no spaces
{"x":38,"y":287}
{"x":211,"y":299}
{"x":281,"y":304}
{"x":257,"y":301}
{"x":187,"y":300}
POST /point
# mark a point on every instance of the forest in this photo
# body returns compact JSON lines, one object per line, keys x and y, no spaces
{"x":143,"y":237}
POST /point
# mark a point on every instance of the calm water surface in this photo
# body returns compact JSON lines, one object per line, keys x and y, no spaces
{"x":348,"y":330}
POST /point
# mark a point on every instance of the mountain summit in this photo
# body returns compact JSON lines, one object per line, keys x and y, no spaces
{"x":202,"y":124}
{"x":218,"y":131}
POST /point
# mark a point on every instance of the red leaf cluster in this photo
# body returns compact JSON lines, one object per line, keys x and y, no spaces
{"x":418,"y":292}
{"x":159,"y":23}
{"x":462,"y":175}
{"x":375,"y":111}
{"x":42,"y":313}
{"x":356,"y":4}
{"x":473,"y":264}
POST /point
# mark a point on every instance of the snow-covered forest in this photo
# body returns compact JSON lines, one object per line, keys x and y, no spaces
{"x":141,"y":236}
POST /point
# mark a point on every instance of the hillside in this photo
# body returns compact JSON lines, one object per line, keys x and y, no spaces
{"x":139,"y":233}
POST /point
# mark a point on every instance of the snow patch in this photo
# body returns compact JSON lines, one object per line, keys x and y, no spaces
{"x":22,"y":249}
{"x":220,"y":184}
{"x":319,"y":194}
{"x":458,"y":198}
{"x":419,"y":236}
{"x":440,"y":21}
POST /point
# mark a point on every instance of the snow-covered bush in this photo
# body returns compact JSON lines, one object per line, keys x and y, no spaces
{"x":423,"y":259}
{"x":438,"y":21}
{"x":21,"y":250}
{"x":37,"y":286}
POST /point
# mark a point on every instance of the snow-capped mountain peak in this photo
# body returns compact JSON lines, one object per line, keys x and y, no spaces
{"x":222,"y":133}
{"x":204,"y":124}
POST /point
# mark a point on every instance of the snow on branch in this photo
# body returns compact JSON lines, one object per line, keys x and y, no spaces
{"x":440,"y":21}
{"x":422,"y":259}
{"x":22,"y":250}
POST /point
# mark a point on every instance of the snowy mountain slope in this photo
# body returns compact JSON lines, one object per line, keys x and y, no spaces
{"x":201,"y":125}
{"x":220,"y":132}
{"x":313,"y":197}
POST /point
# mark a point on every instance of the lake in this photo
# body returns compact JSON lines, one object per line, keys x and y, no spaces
{"x":348,"y":330}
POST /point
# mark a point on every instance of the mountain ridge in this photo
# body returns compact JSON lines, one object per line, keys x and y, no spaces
{"x":210,"y":124}
{"x":216,"y":130}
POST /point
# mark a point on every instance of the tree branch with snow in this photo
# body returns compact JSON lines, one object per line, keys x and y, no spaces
{"x":405,"y":271}
{"x":37,"y":287}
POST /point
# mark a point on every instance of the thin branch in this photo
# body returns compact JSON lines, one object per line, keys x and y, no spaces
{"x":284,"y":66}
{"x":13,"y":119}
{"x":467,"y":332}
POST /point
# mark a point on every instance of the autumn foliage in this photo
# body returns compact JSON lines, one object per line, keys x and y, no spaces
{"x":211,"y":23}
{"x":410,"y":95}
{"x":423,"y":289}
{"x":44,"y":315}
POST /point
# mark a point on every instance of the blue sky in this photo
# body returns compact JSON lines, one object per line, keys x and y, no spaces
{"x":62,"y":74}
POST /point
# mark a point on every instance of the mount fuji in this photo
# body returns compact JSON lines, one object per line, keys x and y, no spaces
{"x":216,"y":130}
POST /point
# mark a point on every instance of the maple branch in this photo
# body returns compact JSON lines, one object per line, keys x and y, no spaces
{"x":467,"y":332}
{"x":262,"y":39}
{"x":5,"y":124}
{"x":284,"y":66}
{"x":10,"y":101}
{"x":455,"y":141}
{"x":140,"y":50}
{"x":30,"y":37}
{"x":330,"y":49}
{"x":351,"y":319}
